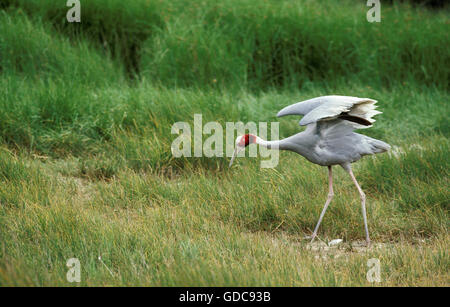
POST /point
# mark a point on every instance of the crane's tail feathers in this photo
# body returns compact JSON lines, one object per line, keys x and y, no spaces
{"x":378,"y":146}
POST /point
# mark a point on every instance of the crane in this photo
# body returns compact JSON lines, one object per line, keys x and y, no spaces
{"x":329,"y":139}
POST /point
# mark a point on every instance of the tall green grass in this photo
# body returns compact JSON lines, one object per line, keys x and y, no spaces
{"x":288,"y":43}
{"x":117,"y":28}
{"x":34,"y":51}
{"x":261,"y":45}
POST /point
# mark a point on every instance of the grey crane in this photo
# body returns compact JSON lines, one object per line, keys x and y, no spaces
{"x":329,"y":138}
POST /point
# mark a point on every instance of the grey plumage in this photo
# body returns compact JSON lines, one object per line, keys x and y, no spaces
{"x":329,"y":107}
{"x":329,"y":138}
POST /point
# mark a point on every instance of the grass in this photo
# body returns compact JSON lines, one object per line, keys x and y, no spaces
{"x":86,"y":168}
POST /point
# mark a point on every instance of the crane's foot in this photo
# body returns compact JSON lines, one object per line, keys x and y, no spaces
{"x":312,"y":237}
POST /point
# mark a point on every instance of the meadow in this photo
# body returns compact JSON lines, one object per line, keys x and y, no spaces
{"x":86,"y":169}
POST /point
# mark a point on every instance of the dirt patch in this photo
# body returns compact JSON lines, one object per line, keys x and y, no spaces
{"x":326,"y":251}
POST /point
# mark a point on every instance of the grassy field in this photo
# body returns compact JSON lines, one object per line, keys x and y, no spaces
{"x":86,"y":169}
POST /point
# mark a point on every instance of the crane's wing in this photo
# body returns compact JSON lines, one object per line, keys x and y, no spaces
{"x":358,"y":111}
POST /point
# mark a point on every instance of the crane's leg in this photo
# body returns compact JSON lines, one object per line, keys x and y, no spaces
{"x":330,"y":196}
{"x":363,"y":204}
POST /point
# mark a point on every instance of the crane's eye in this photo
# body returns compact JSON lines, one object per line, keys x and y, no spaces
{"x":244,"y":141}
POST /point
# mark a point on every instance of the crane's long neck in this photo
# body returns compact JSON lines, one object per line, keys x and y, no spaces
{"x":278,"y":144}
{"x":299,"y":143}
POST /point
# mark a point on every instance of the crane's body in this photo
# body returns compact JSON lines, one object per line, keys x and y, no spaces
{"x":329,"y":138}
{"x":322,"y":144}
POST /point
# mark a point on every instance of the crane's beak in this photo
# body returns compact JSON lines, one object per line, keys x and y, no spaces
{"x":236,"y":151}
